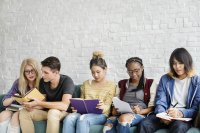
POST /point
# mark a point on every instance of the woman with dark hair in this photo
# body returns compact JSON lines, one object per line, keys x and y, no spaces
{"x":136,"y":91}
{"x":98,"y":88}
{"x":178,"y":95}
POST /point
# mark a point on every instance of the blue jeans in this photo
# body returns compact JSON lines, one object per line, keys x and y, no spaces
{"x":118,"y":127}
{"x":77,"y":123}
{"x":151,"y":124}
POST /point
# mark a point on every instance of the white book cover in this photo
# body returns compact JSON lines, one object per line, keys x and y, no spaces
{"x":165,"y":116}
{"x":122,"y":106}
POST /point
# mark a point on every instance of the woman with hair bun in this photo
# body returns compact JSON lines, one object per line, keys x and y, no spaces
{"x":97,"y":88}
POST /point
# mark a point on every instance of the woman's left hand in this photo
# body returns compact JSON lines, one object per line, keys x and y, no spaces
{"x":100,"y":105}
{"x":136,"y":109}
{"x":34,"y":102}
{"x":73,"y":110}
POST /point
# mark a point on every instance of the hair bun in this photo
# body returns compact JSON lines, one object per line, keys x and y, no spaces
{"x":97,"y":55}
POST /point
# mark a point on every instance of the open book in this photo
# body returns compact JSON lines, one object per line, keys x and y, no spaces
{"x":14,"y":107}
{"x":165,"y":116}
{"x":34,"y":93}
{"x":122,"y":106}
{"x":84,"y":106}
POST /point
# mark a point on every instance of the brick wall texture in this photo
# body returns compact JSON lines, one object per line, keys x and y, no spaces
{"x":73,"y":29}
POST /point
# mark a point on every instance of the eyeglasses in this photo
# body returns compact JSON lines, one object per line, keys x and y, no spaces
{"x":134,"y":71}
{"x":27,"y":72}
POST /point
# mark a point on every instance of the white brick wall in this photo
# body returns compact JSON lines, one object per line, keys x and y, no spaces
{"x":73,"y":29}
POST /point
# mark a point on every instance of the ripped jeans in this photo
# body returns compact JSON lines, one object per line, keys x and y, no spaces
{"x":118,"y":127}
{"x":77,"y":123}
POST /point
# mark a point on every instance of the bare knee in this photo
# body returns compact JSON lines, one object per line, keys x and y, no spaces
{"x":15,"y":119}
{"x":4,"y":115}
{"x":53,"y":114}
{"x":24,"y":114}
{"x":126,"y":118}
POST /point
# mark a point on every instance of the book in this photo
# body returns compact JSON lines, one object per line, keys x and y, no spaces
{"x":33,"y":93}
{"x":14,"y":107}
{"x":85,"y":106}
{"x":123,"y":107}
{"x":165,"y":116}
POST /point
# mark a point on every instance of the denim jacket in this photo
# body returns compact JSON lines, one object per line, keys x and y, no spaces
{"x":165,"y":92}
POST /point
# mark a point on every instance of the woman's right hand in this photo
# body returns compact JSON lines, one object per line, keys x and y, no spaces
{"x":115,"y":111}
{"x":73,"y":110}
{"x":136,"y":109}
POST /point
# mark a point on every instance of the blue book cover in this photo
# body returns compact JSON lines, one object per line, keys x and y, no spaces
{"x":84,"y":106}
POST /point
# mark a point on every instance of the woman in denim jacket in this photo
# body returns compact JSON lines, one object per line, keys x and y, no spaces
{"x":178,"y":94}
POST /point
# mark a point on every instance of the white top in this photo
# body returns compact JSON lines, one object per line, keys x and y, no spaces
{"x":180,"y":92}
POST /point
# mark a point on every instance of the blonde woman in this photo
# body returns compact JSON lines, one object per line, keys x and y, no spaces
{"x":97,"y":88}
{"x":29,"y":78}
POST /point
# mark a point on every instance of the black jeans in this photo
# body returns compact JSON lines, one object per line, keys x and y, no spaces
{"x":151,"y":124}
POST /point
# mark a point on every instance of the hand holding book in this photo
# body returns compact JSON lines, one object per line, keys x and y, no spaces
{"x":115,"y":111}
{"x":174,"y":112}
{"x":30,"y":95}
{"x":136,"y":109}
{"x":165,"y":116}
{"x":123,"y":107}
{"x":100,"y":105}
{"x":34,"y":102}
{"x":74,"y":110}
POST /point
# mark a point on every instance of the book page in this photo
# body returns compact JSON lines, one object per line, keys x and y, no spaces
{"x":165,"y":116}
{"x":122,"y":106}
{"x":14,"y":107}
{"x":34,"y":93}
{"x":21,"y":100}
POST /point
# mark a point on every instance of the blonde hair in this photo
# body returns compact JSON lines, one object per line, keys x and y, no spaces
{"x":97,"y":55}
{"x":97,"y":60}
{"x":190,"y":74}
{"x":23,"y":82}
